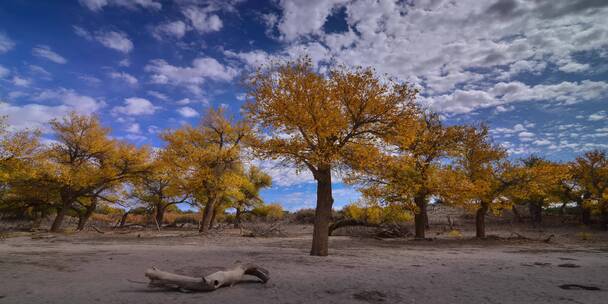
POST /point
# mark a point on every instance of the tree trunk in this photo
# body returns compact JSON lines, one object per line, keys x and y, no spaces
{"x":536,"y":212}
{"x":207,"y":214}
{"x":123,"y":219}
{"x":39,"y":216}
{"x":160,"y":214}
{"x":604,"y":219}
{"x":427,"y":226}
{"x":480,"y":221}
{"x":59,"y":218}
{"x":586,"y":216}
{"x":84,"y":218}
{"x":420,"y":217}
{"x":237,"y":218}
{"x":213,"y":216}
{"x":66,"y":204}
{"x":516,"y":214}
{"x":562,"y":209}
{"x":81,"y":222}
{"x":320,"y":237}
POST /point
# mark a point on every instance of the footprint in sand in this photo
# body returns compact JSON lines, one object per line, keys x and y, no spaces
{"x":371,"y":296}
{"x":569,"y":265}
{"x":578,"y":287}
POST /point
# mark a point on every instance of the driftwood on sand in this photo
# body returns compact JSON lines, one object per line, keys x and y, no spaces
{"x":262,"y":230}
{"x":229,"y":277}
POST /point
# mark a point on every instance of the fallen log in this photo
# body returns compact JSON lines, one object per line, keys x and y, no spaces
{"x":383,"y":230}
{"x":261,"y":230}
{"x":349,"y":222}
{"x":229,"y":277}
{"x":519,"y":236}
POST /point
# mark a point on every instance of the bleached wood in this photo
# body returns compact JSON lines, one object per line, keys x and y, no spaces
{"x":229,"y":277}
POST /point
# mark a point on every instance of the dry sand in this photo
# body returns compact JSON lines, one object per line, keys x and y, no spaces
{"x":95,"y":268}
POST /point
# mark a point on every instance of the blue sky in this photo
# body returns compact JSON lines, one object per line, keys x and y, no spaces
{"x":535,"y":71}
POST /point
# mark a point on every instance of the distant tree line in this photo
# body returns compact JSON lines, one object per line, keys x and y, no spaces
{"x":85,"y":170}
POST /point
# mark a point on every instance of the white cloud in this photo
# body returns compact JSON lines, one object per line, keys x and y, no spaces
{"x":133,"y":128}
{"x":80,"y":103}
{"x":542,"y":142}
{"x":21,"y":82}
{"x":302,"y":17}
{"x":16,"y":94}
{"x":601,"y":115}
{"x":502,"y":93}
{"x":91,"y":80}
{"x":44,"y":51}
{"x":526,"y":136}
{"x":202,"y":19}
{"x":296,"y":200}
{"x":97,"y":5}
{"x":283,"y":175}
{"x":573,"y":67}
{"x":33,"y":116}
{"x":115,"y":40}
{"x":4,"y":72}
{"x":158,"y":95}
{"x":253,"y":59}
{"x":436,"y":44}
{"x":36,"y":115}
{"x":176,"y":29}
{"x":191,"y":77}
{"x":124,"y":62}
{"x":516,"y":128}
{"x":187,"y":112}
{"x":152,"y":129}
{"x":135,"y":106}
{"x":184,"y":101}
{"x":6,"y":44}
{"x":502,"y":109}
{"x":128,"y":78}
{"x":38,"y":71}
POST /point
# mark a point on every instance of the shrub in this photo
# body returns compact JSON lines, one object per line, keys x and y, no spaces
{"x":304,"y":216}
{"x":375,"y":214}
{"x":455,"y":234}
{"x":585,"y":236}
{"x":270,"y":212}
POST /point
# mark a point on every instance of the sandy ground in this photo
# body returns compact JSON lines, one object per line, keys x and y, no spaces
{"x":95,"y":268}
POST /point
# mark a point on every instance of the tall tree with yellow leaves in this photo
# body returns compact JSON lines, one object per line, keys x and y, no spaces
{"x":208,"y":158}
{"x":159,"y":188}
{"x":255,"y":180}
{"x":409,"y":169}
{"x":85,"y":162}
{"x":318,"y":122}
{"x":591,"y":172}
{"x":538,"y":179}
{"x":21,"y":190}
{"x":481,"y":176}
